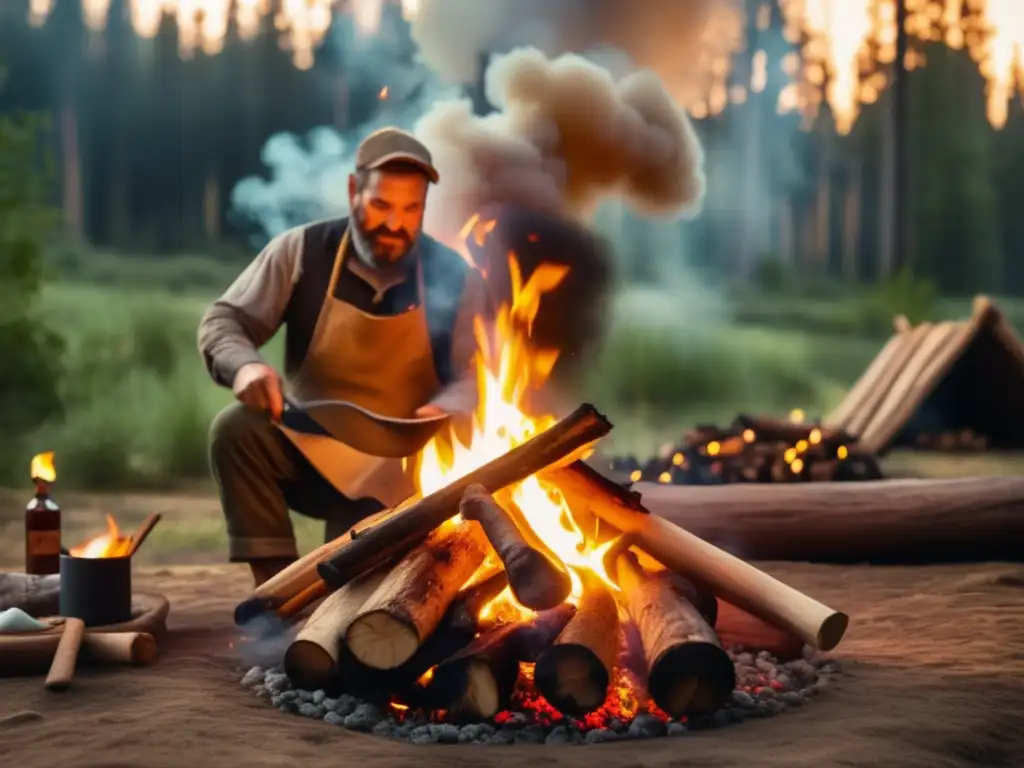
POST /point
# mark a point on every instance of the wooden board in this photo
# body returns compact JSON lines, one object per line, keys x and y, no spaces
{"x":29,"y":653}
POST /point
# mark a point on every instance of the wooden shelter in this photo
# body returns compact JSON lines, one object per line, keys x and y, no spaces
{"x":946,"y":378}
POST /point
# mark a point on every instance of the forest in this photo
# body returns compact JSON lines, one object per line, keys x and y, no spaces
{"x":125,"y":149}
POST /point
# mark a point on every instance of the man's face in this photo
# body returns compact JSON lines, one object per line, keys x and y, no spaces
{"x":389,"y":211}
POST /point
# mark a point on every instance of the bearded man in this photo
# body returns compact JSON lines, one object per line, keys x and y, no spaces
{"x":375,"y":313}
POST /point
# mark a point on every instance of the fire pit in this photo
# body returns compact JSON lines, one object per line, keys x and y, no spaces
{"x":522,"y":592}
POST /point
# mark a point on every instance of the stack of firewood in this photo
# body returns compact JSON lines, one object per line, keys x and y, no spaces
{"x":959,"y":440}
{"x":403,"y":603}
{"x":755,"y":449}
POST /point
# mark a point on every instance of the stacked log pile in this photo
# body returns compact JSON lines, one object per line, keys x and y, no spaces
{"x":409,"y":618}
{"x":754,"y":449}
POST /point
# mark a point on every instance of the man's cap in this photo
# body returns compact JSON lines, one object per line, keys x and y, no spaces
{"x":392,"y":145}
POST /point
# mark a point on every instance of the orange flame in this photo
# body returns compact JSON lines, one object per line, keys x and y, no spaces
{"x":508,"y":367}
{"x":42,"y":467}
{"x":110,"y":544}
{"x":383,"y":95}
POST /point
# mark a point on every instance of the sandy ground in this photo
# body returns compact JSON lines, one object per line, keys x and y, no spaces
{"x":933,"y":676}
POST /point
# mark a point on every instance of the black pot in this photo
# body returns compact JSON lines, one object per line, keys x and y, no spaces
{"x":97,"y":590}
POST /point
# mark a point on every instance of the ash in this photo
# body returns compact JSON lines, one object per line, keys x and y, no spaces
{"x":765,"y":687}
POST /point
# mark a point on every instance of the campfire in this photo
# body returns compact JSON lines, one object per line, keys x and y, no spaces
{"x":755,"y":449}
{"x":518,"y":578}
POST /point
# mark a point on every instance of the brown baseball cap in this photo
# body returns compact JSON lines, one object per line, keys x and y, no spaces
{"x":393,"y":145}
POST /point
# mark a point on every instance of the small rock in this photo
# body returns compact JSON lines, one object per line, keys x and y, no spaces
{"x":769,"y":707}
{"x":743,"y":700}
{"x":676,"y":729}
{"x":766,"y":693}
{"x":261,"y":692}
{"x":808,"y":692}
{"x":334,"y":718}
{"x":485,"y":730}
{"x":330,"y":703}
{"x":502,"y":736}
{"x":745,"y":659}
{"x":531,"y":734}
{"x":421,"y":735}
{"x":803,"y":671}
{"x":468,"y":733}
{"x":309,"y":709}
{"x":615,"y":724}
{"x":445,"y":733}
{"x":319,"y":697}
{"x":285,"y":700}
{"x":363,"y":718}
{"x":346,"y":705}
{"x":305,"y":696}
{"x":792,"y":699}
{"x":517,"y":720}
{"x":645,"y":726}
{"x":277,"y":682}
{"x":601,"y":735}
{"x":253,"y":677}
{"x":384,"y":728}
{"x":401,"y":731}
{"x":559,"y":735}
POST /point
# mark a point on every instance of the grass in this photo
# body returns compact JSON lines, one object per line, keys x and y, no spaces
{"x":138,"y":401}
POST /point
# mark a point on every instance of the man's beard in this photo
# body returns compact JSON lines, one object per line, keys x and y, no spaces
{"x":372,"y":249}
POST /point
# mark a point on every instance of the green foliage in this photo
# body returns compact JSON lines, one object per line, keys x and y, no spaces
{"x":29,"y":351}
{"x":901,"y":294}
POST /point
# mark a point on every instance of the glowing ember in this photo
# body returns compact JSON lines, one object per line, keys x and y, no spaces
{"x":110,"y":544}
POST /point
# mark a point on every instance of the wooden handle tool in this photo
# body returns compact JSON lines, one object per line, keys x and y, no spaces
{"x":62,"y":671}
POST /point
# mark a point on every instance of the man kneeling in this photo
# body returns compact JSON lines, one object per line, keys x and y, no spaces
{"x":375,"y":313}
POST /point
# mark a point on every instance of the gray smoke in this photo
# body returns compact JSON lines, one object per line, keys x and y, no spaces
{"x":566,"y":134}
{"x":571,"y":130}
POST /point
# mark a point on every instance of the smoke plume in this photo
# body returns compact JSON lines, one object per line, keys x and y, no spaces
{"x":565,"y":136}
{"x":665,"y":36}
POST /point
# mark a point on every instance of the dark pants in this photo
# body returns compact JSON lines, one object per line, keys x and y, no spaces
{"x":261,"y":475}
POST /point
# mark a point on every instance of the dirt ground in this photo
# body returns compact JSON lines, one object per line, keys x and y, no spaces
{"x":933,"y":676}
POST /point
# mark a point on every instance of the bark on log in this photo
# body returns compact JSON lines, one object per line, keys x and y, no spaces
{"x":477,"y":682}
{"x":408,"y":604}
{"x":575,"y":672}
{"x":311,"y":661}
{"x":555,"y":446}
{"x":35,"y":595}
{"x":736,"y":628}
{"x":457,"y":629}
{"x":536,"y":581}
{"x":979,"y":519}
{"x":729,"y":577}
{"x":688,"y":671}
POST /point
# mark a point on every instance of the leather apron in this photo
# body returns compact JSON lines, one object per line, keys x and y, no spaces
{"x":382,"y":363}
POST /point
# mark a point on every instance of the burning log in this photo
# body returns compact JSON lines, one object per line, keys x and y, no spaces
{"x":396,"y":533}
{"x":536,"y":581}
{"x":769,"y":429}
{"x":689,"y":673}
{"x":457,"y":629}
{"x":574,"y":673}
{"x":477,"y":682}
{"x":311,"y":661}
{"x":408,"y":604}
{"x":730,"y":578}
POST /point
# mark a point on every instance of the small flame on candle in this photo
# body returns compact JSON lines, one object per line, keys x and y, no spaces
{"x":42,"y":469}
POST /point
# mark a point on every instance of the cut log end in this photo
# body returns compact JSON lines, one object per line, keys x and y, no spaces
{"x":536,"y":582}
{"x":382,"y":641}
{"x":832,"y":630}
{"x":143,"y":650}
{"x":572,"y":678}
{"x":692,"y":679}
{"x":309,"y":666}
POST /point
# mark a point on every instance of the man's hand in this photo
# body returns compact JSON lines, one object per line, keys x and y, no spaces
{"x":429,"y":411}
{"x":257,"y":386}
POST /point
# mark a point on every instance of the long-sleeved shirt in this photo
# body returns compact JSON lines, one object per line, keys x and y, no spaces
{"x":286,"y":285}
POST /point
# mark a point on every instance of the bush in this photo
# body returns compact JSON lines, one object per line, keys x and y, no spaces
{"x":29,"y":351}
